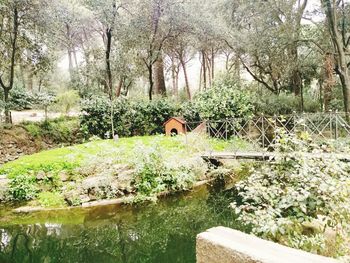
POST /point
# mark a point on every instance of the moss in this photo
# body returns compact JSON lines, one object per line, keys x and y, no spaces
{"x":51,"y":199}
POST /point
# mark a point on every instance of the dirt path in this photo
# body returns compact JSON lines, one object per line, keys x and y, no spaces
{"x":35,"y":115}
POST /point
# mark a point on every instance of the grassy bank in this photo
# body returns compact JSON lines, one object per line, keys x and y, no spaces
{"x":31,"y":137}
{"x":141,"y":167}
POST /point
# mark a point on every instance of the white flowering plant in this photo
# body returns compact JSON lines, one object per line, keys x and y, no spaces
{"x":301,"y":198}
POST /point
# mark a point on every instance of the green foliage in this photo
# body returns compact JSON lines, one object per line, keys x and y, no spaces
{"x":155,"y":175}
{"x":158,"y":164}
{"x":66,"y":101}
{"x":189,"y":112}
{"x":284,"y":103}
{"x":224,"y":100}
{"x":51,"y":199}
{"x":21,"y":99}
{"x":33,"y":129}
{"x":130,"y":117}
{"x":60,"y":130}
{"x":23,"y":187}
{"x":296,"y":198}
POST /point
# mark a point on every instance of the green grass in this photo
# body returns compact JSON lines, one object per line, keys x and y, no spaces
{"x":60,"y":130}
{"x":51,"y":199}
{"x":69,"y":158}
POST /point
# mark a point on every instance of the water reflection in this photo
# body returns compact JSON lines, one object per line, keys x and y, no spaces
{"x":148,"y":233}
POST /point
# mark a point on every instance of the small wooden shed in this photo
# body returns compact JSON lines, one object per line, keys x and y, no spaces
{"x":175,"y":126}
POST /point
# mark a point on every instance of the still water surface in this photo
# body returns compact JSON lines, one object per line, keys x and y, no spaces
{"x":162,"y":232}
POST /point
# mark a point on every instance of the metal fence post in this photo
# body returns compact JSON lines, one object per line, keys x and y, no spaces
{"x":263,"y":131}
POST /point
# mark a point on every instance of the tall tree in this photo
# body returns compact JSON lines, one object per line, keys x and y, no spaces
{"x":338,"y":20}
{"x":17,"y":18}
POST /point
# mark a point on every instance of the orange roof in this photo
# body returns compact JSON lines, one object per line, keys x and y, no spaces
{"x":178,"y":119}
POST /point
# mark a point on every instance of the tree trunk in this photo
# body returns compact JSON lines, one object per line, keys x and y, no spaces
{"x":75,"y":57}
{"x":173,"y":77}
{"x":70,"y":63}
{"x":296,"y":80}
{"x":159,"y":80}
{"x":345,"y":81}
{"x":7,"y":106}
{"x":187,"y":84}
{"x":150,"y":80}
{"x":22,"y":74}
{"x":204,"y":71}
{"x":30,"y":78}
{"x":237,"y":68}
{"x":208,"y":64}
{"x":12,"y":66}
{"x":329,"y":81}
{"x":119,"y":87}
{"x":109,"y":81}
{"x":200,"y":79}
{"x":212,"y":63}
{"x":69,"y":50}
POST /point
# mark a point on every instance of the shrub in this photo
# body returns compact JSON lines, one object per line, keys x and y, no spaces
{"x":284,"y":103}
{"x":21,"y":99}
{"x":296,"y":198}
{"x":224,"y":100}
{"x":23,"y":187}
{"x":130,"y":117}
{"x":96,"y":117}
{"x":156,"y":173}
{"x":66,"y":101}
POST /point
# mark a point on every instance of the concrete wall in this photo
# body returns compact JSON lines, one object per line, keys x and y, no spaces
{"x":225,"y":245}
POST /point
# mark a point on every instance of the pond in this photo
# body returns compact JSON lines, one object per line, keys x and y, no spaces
{"x":162,"y":232}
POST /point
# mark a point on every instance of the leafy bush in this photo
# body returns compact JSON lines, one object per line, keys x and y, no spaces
{"x":297,"y":198}
{"x":130,"y":117}
{"x":284,"y":103}
{"x":156,"y":173}
{"x":66,"y":101}
{"x":224,"y":100}
{"x":21,"y":99}
{"x":23,"y":187}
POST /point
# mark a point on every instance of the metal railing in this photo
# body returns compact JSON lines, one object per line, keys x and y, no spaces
{"x":260,"y":131}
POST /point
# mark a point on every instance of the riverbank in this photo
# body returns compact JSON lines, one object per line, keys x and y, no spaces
{"x":100,"y":203}
{"x":32,"y":137}
{"x":148,"y":232}
{"x":127,"y":170}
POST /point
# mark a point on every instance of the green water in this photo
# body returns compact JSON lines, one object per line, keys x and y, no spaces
{"x":162,"y":232}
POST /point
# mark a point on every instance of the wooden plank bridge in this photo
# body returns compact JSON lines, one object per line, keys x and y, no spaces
{"x":264,"y":156}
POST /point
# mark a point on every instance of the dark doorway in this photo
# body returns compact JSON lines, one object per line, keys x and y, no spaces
{"x":174,"y":132}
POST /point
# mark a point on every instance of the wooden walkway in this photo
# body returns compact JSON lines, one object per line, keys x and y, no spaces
{"x":264,"y":156}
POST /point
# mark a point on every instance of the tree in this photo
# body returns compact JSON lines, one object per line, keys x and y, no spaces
{"x":268,"y":38}
{"x":17,"y":18}
{"x":153,"y":25}
{"x":337,"y":13}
